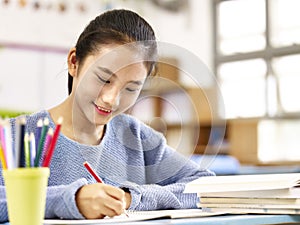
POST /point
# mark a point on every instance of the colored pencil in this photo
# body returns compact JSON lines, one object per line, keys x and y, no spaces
{"x":52,"y":145}
{"x":47,"y":143}
{"x":32,"y":148}
{"x":92,"y":172}
{"x":41,"y":142}
{"x":16,"y":146}
{"x":2,"y":158}
{"x":3,"y":144}
{"x":38,"y":133}
{"x":26,"y":150}
{"x":20,"y":146}
{"x":22,"y":151}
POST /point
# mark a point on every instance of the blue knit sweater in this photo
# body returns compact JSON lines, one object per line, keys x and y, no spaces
{"x":131,"y":155}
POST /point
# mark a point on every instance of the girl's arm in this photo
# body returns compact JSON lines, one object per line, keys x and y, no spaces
{"x":165,"y":195}
{"x":3,"y":207}
{"x":61,"y":203}
{"x":166,"y":172}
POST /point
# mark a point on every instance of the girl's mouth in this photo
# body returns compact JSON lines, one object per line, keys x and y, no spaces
{"x":102,"y":110}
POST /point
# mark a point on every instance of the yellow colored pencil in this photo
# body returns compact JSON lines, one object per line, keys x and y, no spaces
{"x":2,"y":158}
{"x":26,"y":150}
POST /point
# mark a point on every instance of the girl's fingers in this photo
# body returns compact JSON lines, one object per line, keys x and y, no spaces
{"x":116,"y":205}
{"x":115,"y":192}
{"x":110,"y":212}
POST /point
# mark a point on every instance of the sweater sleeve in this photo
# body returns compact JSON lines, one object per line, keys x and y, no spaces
{"x":3,"y":206}
{"x":60,"y":202}
{"x":168,"y":196}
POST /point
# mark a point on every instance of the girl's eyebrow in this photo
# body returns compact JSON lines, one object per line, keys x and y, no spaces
{"x":106,"y":70}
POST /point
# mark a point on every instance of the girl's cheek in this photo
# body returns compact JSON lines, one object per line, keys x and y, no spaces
{"x":127,"y":101}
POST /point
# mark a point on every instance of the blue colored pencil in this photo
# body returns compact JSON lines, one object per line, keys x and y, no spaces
{"x":38,"y":133}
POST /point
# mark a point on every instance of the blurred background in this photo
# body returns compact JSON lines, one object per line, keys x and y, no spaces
{"x":250,"y":47}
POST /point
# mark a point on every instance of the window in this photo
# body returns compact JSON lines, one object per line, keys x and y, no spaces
{"x":245,"y":33}
{"x":243,"y":86}
{"x":257,"y":55}
{"x":278,"y":140}
{"x":287,"y":72}
{"x":285,"y":26}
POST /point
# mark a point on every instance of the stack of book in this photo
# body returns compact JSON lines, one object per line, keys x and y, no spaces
{"x":263,"y":193}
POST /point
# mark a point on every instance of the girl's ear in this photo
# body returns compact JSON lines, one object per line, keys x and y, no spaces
{"x":72,"y":62}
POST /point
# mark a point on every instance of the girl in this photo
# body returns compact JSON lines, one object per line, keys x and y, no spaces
{"x":107,"y":69}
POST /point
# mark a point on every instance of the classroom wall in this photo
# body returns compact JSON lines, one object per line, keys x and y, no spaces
{"x":34,"y":42}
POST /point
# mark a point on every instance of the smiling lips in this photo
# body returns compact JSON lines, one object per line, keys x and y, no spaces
{"x":102,"y":111}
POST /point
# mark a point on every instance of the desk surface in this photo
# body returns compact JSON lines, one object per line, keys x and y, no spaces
{"x":224,"y":219}
{"x":236,"y":220}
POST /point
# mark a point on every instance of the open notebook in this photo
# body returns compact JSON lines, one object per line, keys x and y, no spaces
{"x":140,"y":216}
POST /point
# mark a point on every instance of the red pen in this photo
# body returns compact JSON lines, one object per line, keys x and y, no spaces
{"x":96,"y":177}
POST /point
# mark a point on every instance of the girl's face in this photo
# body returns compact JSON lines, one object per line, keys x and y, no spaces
{"x":108,"y":83}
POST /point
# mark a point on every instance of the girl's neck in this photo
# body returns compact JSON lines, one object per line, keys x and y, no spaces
{"x":78,"y":129}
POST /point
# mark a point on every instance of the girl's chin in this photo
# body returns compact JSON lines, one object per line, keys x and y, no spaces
{"x":103,"y":121}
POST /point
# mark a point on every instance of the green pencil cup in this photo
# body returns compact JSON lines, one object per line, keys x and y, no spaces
{"x":26,"y":194}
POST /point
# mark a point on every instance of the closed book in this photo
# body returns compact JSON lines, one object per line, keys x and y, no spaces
{"x":272,"y":193}
{"x":249,"y":206}
{"x":243,"y":183}
{"x":260,"y":201}
{"x":232,"y":210}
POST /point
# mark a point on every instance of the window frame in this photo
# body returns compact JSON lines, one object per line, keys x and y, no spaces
{"x":268,"y":53}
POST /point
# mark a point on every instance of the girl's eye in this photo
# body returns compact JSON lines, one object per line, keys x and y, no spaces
{"x":104,"y":80}
{"x":131,"y":90}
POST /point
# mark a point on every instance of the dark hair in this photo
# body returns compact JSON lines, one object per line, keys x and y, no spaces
{"x":116,"y":26}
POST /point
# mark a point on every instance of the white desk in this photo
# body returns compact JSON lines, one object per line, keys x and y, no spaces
{"x":223,"y":220}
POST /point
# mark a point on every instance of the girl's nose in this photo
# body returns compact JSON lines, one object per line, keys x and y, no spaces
{"x":110,"y":96}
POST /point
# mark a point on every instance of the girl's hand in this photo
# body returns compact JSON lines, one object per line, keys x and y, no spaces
{"x":95,"y":201}
{"x":127,"y":199}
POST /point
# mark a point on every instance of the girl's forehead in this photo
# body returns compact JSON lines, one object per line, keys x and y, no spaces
{"x":118,"y":57}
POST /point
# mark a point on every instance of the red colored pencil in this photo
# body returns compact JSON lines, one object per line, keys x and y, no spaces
{"x":52,"y":145}
{"x":92,"y":172}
